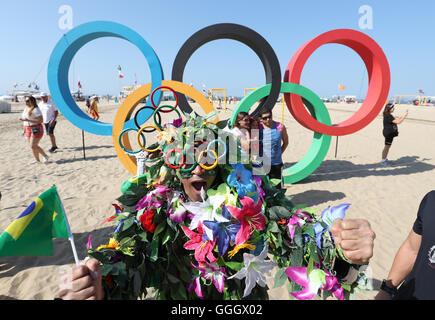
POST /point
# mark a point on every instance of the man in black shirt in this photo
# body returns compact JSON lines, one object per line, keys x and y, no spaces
{"x":414,"y":264}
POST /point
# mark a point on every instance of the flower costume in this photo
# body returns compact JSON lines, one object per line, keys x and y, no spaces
{"x":221,"y":247}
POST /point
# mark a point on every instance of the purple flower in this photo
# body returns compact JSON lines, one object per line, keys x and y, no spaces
{"x":177,"y":122}
{"x":328,"y":216}
{"x":317,"y":279}
{"x":298,"y":219}
{"x":211,"y":271}
{"x":258,"y":183}
{"x":153,"y":199}
{"x":196,"y":286}
{"x":223,"y":232}
{"x":177,"y":212}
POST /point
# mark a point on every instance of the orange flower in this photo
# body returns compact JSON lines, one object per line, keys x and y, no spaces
{"x":236,"y":249}
{"x":113,"y":244}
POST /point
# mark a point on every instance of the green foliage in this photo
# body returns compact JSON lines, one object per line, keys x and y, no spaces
{"x":157,"y":259}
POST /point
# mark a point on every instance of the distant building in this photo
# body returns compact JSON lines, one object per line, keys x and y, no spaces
{"x":127,"y":90}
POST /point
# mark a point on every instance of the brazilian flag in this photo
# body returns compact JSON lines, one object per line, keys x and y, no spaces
{"x":32,"y":232}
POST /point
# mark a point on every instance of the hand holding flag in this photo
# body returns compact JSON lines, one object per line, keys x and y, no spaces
{"x":83,"y":282}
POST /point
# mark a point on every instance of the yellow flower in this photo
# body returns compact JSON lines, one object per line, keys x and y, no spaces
{"x":236,"y":249}
{"x":168,"y":134}
{"x":113,"y":244}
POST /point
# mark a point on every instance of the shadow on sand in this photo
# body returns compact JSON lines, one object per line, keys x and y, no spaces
{"x":87,"y":159}
{"x":333,"y":170}
{"x":63,"y":255}
{"x":313,"y":198}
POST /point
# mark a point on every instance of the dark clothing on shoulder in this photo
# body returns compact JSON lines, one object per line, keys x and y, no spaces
{"x":420,"y":283}
{"x":390,"y":128}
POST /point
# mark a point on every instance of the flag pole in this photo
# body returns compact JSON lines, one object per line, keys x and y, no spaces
{"x":71,"y":237}
{"x":83,"y":143}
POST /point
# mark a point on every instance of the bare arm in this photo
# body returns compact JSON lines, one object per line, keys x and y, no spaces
{"x":56,"y":113}
{"x":405,"y":258}
{"x":284,"y":136}
{"x":38,"y":120}
{"x":400,"y":120}
{"x":403,"y":263}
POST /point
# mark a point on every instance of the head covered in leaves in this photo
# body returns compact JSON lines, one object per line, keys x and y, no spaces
{"x":200,"y":224}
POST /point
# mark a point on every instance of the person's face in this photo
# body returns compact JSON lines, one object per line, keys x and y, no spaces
{"x":45,"y":99}
{"x":27,"y":102}
{"x":245,"y":122}
{"x":266,"y":119}
{"x":200,"y":178}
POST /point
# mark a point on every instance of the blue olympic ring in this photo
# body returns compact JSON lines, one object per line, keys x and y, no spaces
{"x":218,"y":141}
{"x":128,"y":130}
{"x":60,"y":61}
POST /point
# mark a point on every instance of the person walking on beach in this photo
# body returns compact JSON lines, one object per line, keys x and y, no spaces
{"x":49,"y":115}
{"x":413,"y":267}
{"x":390,"y":130}
{"x":33,"y":129}
{"x":273,"y":134}
{"x":94,"y":108}
{"x":88,"y":105}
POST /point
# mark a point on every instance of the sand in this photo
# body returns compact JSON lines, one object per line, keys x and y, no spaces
{"x":387,"y":197}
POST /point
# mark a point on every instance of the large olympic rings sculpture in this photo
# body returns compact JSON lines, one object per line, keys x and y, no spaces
{"x":305,"y":106}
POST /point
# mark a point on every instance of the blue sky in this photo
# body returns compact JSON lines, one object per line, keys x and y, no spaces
{"x":29,"y":31}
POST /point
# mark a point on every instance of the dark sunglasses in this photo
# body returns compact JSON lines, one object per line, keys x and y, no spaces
{"x":266,"y":118}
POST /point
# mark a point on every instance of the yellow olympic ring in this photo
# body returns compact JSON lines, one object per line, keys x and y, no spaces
{"x":214,"y":165}
{"x":138,"y":138}
{"x":126,"y":109}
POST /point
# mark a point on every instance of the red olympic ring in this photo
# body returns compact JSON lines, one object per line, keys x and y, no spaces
{"x":170,"y":89}
{"x":183,"y":159}
{"x":379,"y":81}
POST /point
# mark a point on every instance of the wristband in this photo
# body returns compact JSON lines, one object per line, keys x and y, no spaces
{"x":384,"y":287}
{"x":341,"y":254}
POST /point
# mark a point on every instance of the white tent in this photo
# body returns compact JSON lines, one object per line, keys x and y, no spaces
{"x":7,"y":98}
{"x":5,"y":107}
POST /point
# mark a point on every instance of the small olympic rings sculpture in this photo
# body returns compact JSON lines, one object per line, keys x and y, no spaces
{"x":219,"y":141}
{"x":120,"y":140}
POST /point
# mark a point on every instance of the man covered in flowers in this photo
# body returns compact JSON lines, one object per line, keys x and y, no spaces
{"x":189,"y":228}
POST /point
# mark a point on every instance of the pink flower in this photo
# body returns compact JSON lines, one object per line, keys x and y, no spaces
{"x":317,"y":279}
{"x":214,"y":273}
{"x":89,"y":244}
{"x":250,"y":217}
{"x":153,"y":199}
{"x":196,"y":286}
{"x":298,"y":219}
{"x":201,"y":244}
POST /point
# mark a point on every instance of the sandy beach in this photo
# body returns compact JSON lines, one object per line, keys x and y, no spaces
{"x":388,"y":197}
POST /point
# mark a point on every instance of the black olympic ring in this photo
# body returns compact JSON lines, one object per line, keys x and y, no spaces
{"x":147,"y":107}
{"x":235,"y":32}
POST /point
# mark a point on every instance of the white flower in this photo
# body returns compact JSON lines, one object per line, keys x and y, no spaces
{"x":205,"y":211}
{"x":254,"y":270}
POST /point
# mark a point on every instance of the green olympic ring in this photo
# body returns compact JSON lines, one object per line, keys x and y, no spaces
{"x":320,"y":145}
{"x":164,"y":106}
